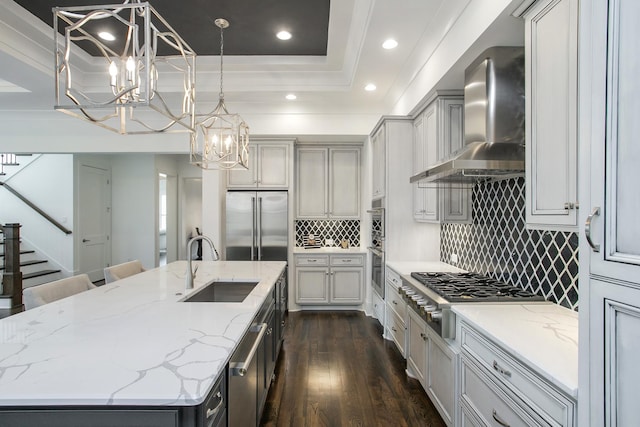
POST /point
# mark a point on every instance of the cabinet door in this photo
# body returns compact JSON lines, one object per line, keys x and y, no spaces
{"x":245,"y":178}
{"x":551,"y":114}
{"x":418,"y":166}
{"x":441,"y":377}
{"x":455,"y":199}
{"x":274,"y":166}
{"x":347,"y":285}
{"x":312,"y":285}
{"x":417,"y":347}
{"x":614,"y":312}
{"x":312,"y":176}
{"x":344,"y":183}
{"x":431,"y":157}
{"x":609,"y":108}
{"x":378,"y":143}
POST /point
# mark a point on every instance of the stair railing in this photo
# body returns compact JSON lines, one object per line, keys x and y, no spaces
{"x":12,"y":277}
{"x":36,"y":208}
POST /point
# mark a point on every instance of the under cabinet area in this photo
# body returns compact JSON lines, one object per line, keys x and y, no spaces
{"x":269,"y":167}
{"x":551,"y":57}
{"x":438,"y":132}
{"x":330,"y":279}
{"x":328,"y":183}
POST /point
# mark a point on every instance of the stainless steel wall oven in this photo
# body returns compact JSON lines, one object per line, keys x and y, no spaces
{"x":377,"y":246}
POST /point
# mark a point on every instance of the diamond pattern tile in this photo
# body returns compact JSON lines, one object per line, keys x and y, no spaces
{"x":498,"y":245}
{"x":329,"y":229}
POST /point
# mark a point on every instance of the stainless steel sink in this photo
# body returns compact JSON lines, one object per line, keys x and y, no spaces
{"x":223,"y":292}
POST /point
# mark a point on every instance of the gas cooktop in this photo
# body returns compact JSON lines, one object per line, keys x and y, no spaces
{"x":472,"y":287}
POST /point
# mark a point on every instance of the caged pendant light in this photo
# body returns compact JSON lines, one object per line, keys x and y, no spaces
{"x":130,"y":47}
{"x":220,"y":139}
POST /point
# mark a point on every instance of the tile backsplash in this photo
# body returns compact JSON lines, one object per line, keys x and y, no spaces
{"x":328,"y":229}
{"x":498,"y":245}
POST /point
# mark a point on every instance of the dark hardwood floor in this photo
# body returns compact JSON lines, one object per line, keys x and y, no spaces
{"x":336,"y":370}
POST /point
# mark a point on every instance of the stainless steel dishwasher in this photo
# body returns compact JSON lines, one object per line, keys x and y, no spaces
{"x":245,"y":374}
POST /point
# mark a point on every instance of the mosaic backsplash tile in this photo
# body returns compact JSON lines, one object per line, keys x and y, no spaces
{"x":498,"y":245}
{"x":328,"y":229}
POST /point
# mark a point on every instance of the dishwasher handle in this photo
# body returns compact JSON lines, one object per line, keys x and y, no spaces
{"x":239,"y":369}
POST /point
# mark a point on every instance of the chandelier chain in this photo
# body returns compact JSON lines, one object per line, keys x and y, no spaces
{"x":221,"y":60}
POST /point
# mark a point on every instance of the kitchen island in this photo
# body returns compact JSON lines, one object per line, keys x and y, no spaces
{"x":131,"y":345}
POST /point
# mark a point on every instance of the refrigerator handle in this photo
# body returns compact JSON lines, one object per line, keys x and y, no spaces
{"x":259,"y":228}
{"x":253,"y":227}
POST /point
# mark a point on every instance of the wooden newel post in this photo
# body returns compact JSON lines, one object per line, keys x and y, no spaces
{"x":12,"y":277}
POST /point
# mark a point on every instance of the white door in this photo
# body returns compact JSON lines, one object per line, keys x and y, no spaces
{"x":94,"y":221}
{"x":610,"y":288}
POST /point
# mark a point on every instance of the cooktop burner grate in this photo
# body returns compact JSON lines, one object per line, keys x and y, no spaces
{"x":472,"y":287}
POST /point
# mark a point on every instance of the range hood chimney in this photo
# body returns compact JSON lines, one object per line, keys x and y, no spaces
{"x":494,"y":115}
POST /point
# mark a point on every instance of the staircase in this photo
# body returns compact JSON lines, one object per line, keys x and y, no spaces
{"x":35,"y":268}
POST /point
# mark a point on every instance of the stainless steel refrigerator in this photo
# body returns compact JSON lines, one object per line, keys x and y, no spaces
{"x":257,"y":225}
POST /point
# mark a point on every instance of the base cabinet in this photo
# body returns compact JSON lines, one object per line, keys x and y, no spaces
{"x":434,"y":363}
{"x":330,"y":279}
{"x":498,"y":388}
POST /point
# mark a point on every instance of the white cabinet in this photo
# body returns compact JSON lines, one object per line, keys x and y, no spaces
{"x":437,"y":132}
{"x":379,"y":161}
{"x":609,"y":206}
{"x":269,"y":167}
{"x":328,"y":183}
{"x":434,"y":363}
{"x":396,"y":308}
{"x":551,"y":58}
{"x":500,"y":388}
{"x":330,"y":279}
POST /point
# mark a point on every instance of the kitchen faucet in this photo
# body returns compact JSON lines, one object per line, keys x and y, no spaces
{"x":190,"y":275}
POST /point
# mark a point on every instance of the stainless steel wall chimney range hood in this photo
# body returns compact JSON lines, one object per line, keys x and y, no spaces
{"x":494,"y":110}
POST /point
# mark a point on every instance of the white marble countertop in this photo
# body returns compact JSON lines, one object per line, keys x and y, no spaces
{"x":130,"y":342}
{"x":330,"y":250}
{"x":544,"y":336}
{"x":407,"y":267}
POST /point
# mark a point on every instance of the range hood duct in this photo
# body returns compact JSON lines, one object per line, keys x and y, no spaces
{"x":494,"y":116}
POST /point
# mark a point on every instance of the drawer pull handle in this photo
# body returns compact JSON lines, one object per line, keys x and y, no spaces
{"x":346,"y":260}
{"x":214,"y":411}
{"x":501,"y":370}
{"x":312,"y":260}
{"x":587,"y":229}
{"x":499,"y":420}
{"x":423,"y":336}
{"x":394,"y":329}
{"x":394,"y":302}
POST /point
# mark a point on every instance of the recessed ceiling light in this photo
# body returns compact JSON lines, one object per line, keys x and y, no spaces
{"x":104,"y":35}
{"x":370,"y":87}
{"x":283,"y":35}
{"x":291,"y":97}
{"x":390,"y":44}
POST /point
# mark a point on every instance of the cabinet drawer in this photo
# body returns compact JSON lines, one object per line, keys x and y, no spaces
{"x":378,"y":308}
{"x":396,"y":330}
{"x":393,"y":278}
{"x":395,"y":302}
{"x":312,"y":260}
{"x":524,"y":383}
{"x":346,"y":260}
{"x":487,"y":400}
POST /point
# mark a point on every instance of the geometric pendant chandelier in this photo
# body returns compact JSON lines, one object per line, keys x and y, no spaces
{"x":131,"y":48}
{"x":220,"y":139}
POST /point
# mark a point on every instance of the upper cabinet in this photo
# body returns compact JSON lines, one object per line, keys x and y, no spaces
{"x":551,"y":58}
{"x":268,"y":167}
{"x":437,"y":132}
{"x":378,"y":147}
{"x":328,"y":182}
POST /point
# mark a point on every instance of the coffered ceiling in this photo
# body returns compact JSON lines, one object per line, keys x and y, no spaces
{"x":335,"y":51}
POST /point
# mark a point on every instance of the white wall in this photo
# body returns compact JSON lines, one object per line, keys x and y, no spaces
{"x":48,"y":183}
{"x":134,"y":208}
